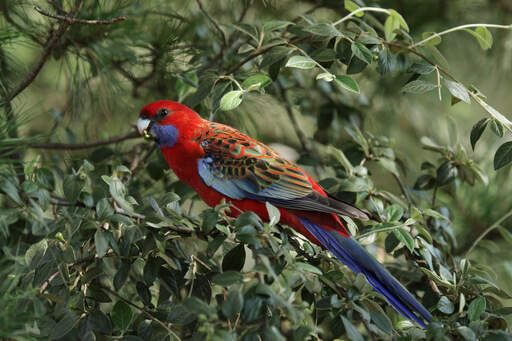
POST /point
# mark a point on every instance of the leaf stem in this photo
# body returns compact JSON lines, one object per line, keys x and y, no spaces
{"x":359,"y":10}
{"x":490,"y":229}
{"x":457,"y":28}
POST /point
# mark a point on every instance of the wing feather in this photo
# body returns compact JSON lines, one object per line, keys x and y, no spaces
{"x":241,"y":167}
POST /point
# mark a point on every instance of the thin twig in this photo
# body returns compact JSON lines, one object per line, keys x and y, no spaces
{"x":300,"y":134}
{"x":458,"y":28}
{"x":486,"y":232}
{"x":85,"y":145}
{"x":403,"y":189}
{"x":79,"y":21}
{"x":263,"y":51}
{"x":141,"y":309}
{"x":50,"y":44}
{"x":359,"y":10}
{"x":212,"y":20}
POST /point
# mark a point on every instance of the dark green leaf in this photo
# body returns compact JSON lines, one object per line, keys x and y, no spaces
{"x":405,"y":238}
{"x":356,"y":65}
{"x":381,"y":321}
{"x":227,"y":278}
{"x":344,"y":51}
{"x":352,"y":332}
{"x":233,"y":304}
{"x":503,"y":155}
{"x":497,"y":128}
{"x":347,"y":83}
{"x":210,"y":217}
{"x":387,"y":61}
{"x":476,"y":308}
{"x":422,"y":68}
{"x":144,"y":293}
{"x":121,"y":274}
{"x":326,"y":30}
{"x":234,"y":259}
{"x":276,"y":54}
{"x":72,"y":187}
{"x":446,"y":173}
{"x":101,"y":241}
{"x":197,"y":307}
{"x":323,"y":55}
{"x":44,"y":177}
{"x":121,"y":315}
{"x":467,"y":333}
{"x":477,"y":131}
{"x":362,"y":52}
{"x":64,"y":326}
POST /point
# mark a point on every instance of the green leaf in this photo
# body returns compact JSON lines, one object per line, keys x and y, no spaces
{"x":394,"y":212}
{"x":434,"y":41}
{"x":101,"y":241}
{"x":227,"y":278}
{"x":381,"y":321}
{"x":391,"y":24}
{"x":483,"y":36}
{"x":44,"y":177}
{"x":458,"y":90}
{"x":352,"y":332}
{"x":355,"y":65}
{"x":256,"y":82}
{"x":387,"y":61}
{"x":328,"y":77}
{"x":445,"y":305}
{"x":446,"y":173}
{"x":121,"y":315}
{"x":233,"y":304}
{"x":362,"y":52}
{"x":275,"y":25}
{"x":122,"y":274}
{"x":235,"y":259}
{"x":231,"y":100}
{"x":196,"y":306}
{"x":274,"y":214}
{"x":477,"y":131}
{"x":103,"y":209}
{"x":476,"y":308}
{"x":467,"y":333}
{"x":418,"y":87}
{"x":323,"y":55}
{"x":497,"y":128}
{"x":347,"y":83}
{"x":210,"y":217}
{"x":144,"y":293}
{"x":308,"y":267}
{"x":399,"y":18}
{"x":503,"y":155}
{"x":64,"y":326}
{"x":324,"y":30}
{"x":72,"y":187}
{"x":422,"y":68}
{"x":405,"y":238}
{"x":276,"y":54}
{"x":35,"y":253}
{"x":351,"y":6}
{"x":300,"y":62}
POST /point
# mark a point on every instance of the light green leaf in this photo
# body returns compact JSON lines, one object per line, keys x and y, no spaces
{"x":362,"y":52}
{"x":347,"y":83}
{"x":351,"y":6}
{"x":231,"y":100}
{"x":390,"y":25}
{"x":405,"y":238}
{"x":483,"y":36}
{"x":352,"y":332}
{"x":418,"y":87}
{"x":432,"y":42}
{"x":399,"y":18}
{"x":101,"y":241}
{"x":308,"y":267}
{"x":273,"y":213}
{"x":300,"y":62}
{"x":274,"y":25}
{"x":342,"y":159}
{"x":256,"y":82}
{"x":422,"y":68}
{"x":328,"y":77}
{"x":458,"y":90}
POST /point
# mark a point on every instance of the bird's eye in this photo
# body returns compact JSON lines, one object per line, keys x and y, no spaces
{"x":162,"y":113}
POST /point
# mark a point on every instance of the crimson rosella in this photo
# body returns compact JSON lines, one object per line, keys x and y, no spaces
{"x":220,"y":162}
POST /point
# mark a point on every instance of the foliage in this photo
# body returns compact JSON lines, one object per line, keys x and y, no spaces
{"x":107,"y":244}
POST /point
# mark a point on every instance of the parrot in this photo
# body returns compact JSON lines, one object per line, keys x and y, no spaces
{"x":222,"y":163}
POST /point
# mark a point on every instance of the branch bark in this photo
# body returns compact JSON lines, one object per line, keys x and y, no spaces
{"x":85,"y":145}
{"x":72,"y":20}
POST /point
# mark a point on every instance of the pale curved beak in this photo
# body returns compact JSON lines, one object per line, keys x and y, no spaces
{"x":143,"y":125}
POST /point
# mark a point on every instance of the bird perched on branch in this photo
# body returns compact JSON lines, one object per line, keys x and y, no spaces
{"x":220,"y":162}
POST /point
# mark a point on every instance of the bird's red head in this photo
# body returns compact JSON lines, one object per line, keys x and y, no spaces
{"x":166,"y":121}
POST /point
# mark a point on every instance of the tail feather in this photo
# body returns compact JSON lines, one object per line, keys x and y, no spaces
{"x":359,"y":260}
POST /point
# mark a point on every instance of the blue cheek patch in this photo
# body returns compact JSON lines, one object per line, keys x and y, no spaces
{"x":166,"y":135}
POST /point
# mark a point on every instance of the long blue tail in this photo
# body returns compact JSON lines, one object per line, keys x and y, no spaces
{"x":359,"y":260}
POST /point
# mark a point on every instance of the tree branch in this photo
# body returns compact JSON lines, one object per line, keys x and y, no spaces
{"x":50,"y":44}
{"x":217,"y":26}
{"x":79,"y":21}
{"x":263,"y":51}
{"x":85,"y":145}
